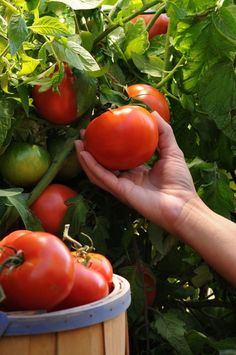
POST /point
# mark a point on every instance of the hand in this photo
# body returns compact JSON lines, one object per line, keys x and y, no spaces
{"x":158,"y":193}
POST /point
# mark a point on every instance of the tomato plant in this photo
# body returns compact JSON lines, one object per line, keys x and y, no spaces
{"x":23,"y":164}
{"x":30,"y":276}
{"x":59,"y":106}
{"x":70,"y":167}
{"x":122,"y":138}
{"x":160,"y":25}
{"x":50,"y":206}
{"x":89,"y":286}
{"x":151,"y":97}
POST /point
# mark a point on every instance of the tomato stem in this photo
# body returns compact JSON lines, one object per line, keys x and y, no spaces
{"x":12,"y":261}
{"x":80,"y":249}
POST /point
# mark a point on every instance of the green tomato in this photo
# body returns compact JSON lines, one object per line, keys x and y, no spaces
{"x":70,"y":167}
{"x":23,"y":164}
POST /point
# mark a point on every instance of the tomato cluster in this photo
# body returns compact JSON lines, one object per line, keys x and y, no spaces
{"x":39,"y":272}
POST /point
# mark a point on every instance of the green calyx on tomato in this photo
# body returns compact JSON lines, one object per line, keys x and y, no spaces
{"x":122,"y":138}
{"x":151,"y":97}
{"x":23,"y":164}
{"x":50,"y":207}
{"x":36,"y":282}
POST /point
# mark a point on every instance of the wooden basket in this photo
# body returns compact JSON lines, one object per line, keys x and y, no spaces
{"x":98,"y":328}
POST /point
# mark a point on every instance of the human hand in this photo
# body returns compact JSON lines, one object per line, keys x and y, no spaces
{"x":158,"y":193}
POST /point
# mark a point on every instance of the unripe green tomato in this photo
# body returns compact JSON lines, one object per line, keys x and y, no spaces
{"x":23,"y":164}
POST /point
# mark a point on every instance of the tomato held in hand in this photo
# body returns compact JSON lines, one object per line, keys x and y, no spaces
{"x":58,"y":108}
{"x":122,"y":138}
{"x":151,"y":97}
{"x":23,"y":164}
{"x":89,"y":286}
{"x":50,"y":207}
{"x":159,"y":27}
{"x":43,"y":275}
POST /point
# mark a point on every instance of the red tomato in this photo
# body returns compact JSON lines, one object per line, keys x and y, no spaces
{"x":89,"y":286}
{"x":122,"y":138}
{"x":149,"y":286}
{"x":44,"y":276}
{"x":100,"y":263}
{"x":54,"y":107}
{"x":159,"y":27}
{"x":50,"y":207}
{"x":151,"y":97}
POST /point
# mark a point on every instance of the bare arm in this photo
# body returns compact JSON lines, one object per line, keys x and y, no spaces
{"x":166,"y":195}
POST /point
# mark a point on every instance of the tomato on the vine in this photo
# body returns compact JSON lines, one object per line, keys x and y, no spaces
{"x":122,"y":138}
{"x":23,"y":164}
{"x":159,"y":27}
{"x":50,"y":207}
{"x":89,"y":286}
{"x":58,"y":108}
{"x":151,"y":97}
{"x":149,"y":281}
{"x":37,"y":270}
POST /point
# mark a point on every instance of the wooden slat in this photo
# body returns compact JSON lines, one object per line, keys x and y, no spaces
{"x":28,"y":345}
{"x":84,"y":341}
{"x":114,"y":335}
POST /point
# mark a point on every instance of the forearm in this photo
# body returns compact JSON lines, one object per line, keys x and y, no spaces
{"x":211,"y":235}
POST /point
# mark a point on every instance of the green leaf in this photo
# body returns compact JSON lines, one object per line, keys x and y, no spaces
{"x":81,"y":4}
{"x":202,"y":277}
{"x":216,"y":192}
{"x":10,"y":192}
{"x":17,"y":32}
{"x":30,"y":222}
{"x":24,"y":97}
{"x":29,"y":64}
{"x":224,"y":31}
{"x":6,"y":114}
{"x":173,"y":330}
{"x":136,"y":39}
{"x":49,"y":26}
{"x":75,"y":55}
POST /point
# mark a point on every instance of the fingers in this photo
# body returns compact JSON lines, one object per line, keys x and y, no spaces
{"x":167,"y":142}
{"x":95,"y":172}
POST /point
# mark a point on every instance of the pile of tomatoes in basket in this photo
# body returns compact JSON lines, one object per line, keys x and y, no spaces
{"x":40,"y":272}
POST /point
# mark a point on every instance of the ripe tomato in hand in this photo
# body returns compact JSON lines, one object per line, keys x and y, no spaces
{"x":89,"y":286}
{"x":58,"y":108}
{"x":159,"y":27}
{"x":50,"y":207}
{"x":122,"y":138}
{"x":151,"y":97}
{"x":44,"y":275}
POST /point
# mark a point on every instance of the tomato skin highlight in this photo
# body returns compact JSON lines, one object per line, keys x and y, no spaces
{"x":151,"y":97}
{"x":89,"y":286}
{"x":50,"y":207}
{"x":45,"y":276}
{"x":159,"y":27}
{"x":54,"y":107}
{"x":123,"y":138}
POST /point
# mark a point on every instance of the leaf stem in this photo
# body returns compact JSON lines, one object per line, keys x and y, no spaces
{"x":171,"y":73}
